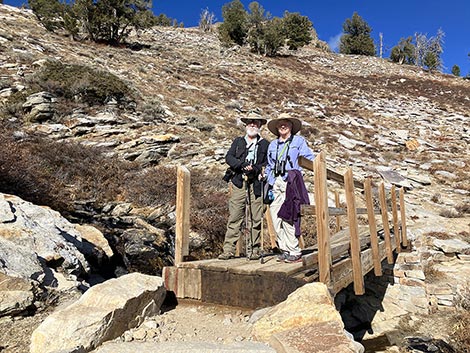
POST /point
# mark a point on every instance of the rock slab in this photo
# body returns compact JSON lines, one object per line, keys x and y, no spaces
{"x":103,"y":313}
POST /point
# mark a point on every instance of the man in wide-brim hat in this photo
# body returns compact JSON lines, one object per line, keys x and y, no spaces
{"x":246,"y":158}
{"x":283,"y":174}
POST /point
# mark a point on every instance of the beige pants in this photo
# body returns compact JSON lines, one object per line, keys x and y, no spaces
{"x":285,"y":232}
{"x":254,"y":207}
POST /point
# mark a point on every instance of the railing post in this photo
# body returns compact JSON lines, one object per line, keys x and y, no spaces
{"x":182,"y":214}
{"x":396,"y":228}
{"x":374,"y":241}
{"x":338,"y":218}
{"x":403,"y":218}
{"x":321,"y":212}
{"x":384,"y":211}
{"x":355,"y":244}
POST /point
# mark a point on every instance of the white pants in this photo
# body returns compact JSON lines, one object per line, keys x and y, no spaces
{"x":285,"y":232}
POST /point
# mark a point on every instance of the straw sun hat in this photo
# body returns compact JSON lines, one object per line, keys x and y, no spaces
{"x":274,"y":123}
{"x":253,"y":116}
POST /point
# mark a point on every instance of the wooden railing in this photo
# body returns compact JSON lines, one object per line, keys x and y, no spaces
{"x":326,"y":253}
{"x":322,"y":213}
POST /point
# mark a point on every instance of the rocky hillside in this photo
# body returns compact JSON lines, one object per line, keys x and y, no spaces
{"x":112,"y":122}
{"x":176,"y":97}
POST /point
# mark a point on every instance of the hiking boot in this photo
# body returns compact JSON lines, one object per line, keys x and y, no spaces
{"x":254,"y":256}
{"x":282,"y":257}
{"x":293,"y":258}
{"x":226,"y":256}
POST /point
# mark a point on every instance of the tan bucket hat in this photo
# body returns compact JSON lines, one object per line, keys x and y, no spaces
{"x":273,"y":123}
{"x":253,"y":116}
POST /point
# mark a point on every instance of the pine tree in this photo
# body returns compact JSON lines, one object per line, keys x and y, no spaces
{"x":273,"y":37}
{"x":257,"y":22}
{"x":404,"y":52}
{"x":296,"y":30}
{"x":234,"y":29}
{"x":356,"y":38}
{"x":456,"y":70}
{"x":49,"y":13}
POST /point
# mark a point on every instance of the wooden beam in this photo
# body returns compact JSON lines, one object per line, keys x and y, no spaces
{"x":330,"y":173}
{"x":374,"y":241}
{"x":182,"y":214}
{"x":335,"y":211}
{"x":403,"y":218}
{"x":321,"y":212}
{"x":383,"y":207}
{"x":271,"y":230}
{"x":396,"y":228}
{"x":338,"y":218}
{"x":354,"y":233}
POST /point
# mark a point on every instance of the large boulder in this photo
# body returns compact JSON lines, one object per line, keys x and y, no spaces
{"x":103,"y":313}
{"x":308,"y":312}
{"x":16,"y":295}
{"x":308,"y":304}
{"x":34,"y":239}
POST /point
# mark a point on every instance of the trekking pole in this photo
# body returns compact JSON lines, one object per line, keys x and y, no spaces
{"x":248,"y":221}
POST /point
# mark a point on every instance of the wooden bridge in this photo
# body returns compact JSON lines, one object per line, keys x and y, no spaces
{"x":338,"y":259}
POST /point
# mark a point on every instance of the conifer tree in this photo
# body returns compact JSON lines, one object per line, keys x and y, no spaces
{"x":296,"y":30}
{"x":356,"y":38}
{"x":404,"y":52}
{"x":456,"y":70}
{"x":257,"y":23}
{"x":234,"y":29}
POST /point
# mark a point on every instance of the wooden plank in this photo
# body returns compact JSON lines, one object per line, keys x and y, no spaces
{"x":338,"y":218}
{"x":330,"y":174}
{"x":386,"y":227}
{"x":354,"y":233}
{"x":189,"y":283}
{"x":169,"y":275}
{"x":321,"y":212}
{"x":338,"y":248}
{"x":374,"y":241}
{"x":396,"y":228}
{"x":271,"y":230}
{"x":182,"y":214}
{"x":403,"y":218}
{"x":335,"y":211}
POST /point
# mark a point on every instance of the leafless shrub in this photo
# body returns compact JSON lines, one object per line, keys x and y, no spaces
{"x":460,"y":331}
{"x":206,"y":20}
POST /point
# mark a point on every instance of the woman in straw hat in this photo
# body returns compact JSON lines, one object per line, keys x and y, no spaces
{"x":246,"y":159}
{"x":283,"y":174}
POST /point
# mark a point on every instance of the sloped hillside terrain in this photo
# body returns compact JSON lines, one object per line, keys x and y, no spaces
{"x":175,"y":96}
{"x":96,"y":131}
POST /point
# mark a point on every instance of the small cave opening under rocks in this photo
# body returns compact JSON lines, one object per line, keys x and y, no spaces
{"x":359,"y":312}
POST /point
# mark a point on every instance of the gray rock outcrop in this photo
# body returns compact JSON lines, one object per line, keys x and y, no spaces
{"x":35,"y":238}
{"x":103,"y":313}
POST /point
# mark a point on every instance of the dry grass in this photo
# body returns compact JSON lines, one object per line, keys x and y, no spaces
{"x":460,"y":328}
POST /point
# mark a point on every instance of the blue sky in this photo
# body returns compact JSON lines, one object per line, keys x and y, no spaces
{"x":394,"y":19}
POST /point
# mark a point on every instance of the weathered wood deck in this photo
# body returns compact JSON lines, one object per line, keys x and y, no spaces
{"x":338,"y":259}
{"x":244,"y":283}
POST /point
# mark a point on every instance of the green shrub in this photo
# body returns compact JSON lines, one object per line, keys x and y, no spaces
{"x":81,"y":83}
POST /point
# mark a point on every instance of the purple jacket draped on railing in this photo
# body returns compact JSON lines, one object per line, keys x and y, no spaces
{"x":296,"y":195}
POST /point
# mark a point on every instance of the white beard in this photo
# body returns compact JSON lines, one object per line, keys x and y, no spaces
{"x":252,"y":131}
